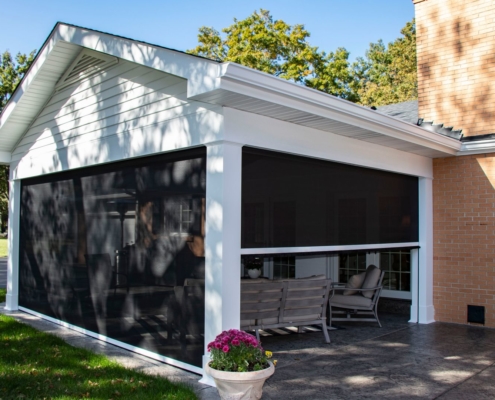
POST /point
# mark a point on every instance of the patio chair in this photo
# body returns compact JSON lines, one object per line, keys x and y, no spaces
{"x":358,"y":297}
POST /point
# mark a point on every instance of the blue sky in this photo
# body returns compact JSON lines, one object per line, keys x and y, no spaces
{"x":352,"y":24}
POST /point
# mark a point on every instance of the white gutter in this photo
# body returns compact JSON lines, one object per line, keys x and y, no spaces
{"x":477,"y":147}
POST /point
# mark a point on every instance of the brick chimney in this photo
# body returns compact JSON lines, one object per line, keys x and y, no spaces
{"x":456,"y":63}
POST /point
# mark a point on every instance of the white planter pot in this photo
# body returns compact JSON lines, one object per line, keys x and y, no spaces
{"x":240,"y":385}
{"x":254,"y":273}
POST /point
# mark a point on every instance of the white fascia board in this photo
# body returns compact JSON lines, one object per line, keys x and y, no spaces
{"x":477,"y":147}
{"x":252,"y":83}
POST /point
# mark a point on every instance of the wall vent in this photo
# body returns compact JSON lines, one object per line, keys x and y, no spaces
{"x":476,"y":314}
{"x":86,"y":64}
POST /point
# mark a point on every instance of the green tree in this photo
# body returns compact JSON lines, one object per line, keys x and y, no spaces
{"x":11,"y":72}
{"x":388,"y":74}
{"x":334,"y":76}
{"x":277,"y":48}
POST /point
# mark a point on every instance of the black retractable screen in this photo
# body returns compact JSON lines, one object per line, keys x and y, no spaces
{"x":118,"y":249}
{"x":291,"y":201}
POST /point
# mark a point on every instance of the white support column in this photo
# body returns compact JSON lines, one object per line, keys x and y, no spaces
{"x":12,"y":300}
{"x":222,"y":241}
{"x":426,"y":311}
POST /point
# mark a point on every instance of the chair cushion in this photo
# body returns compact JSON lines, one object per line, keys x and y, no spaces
{"x":371,"y":280}
{"x":339,"y":300}
{"x":355,"y":282}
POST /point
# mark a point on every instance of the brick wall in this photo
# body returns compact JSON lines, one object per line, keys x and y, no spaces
{"x":464,"y":236}
{"x":456,"y":63}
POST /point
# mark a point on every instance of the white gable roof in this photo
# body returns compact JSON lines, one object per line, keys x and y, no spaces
{"x":228,"y":84}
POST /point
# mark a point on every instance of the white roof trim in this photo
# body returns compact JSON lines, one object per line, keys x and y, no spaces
{"x":239,"y":79}
{"x":206,"y":77}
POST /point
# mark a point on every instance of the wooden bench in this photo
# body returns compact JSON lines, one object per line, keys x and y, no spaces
{"x":279,"y":304}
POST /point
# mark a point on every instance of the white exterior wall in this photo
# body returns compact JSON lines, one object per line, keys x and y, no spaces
{"x":134,"y":111}
{"x":127,"y":111}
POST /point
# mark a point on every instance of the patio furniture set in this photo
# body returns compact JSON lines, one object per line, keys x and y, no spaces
{"x":268,"y":304}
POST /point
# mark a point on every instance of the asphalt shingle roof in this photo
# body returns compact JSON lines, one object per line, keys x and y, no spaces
{"x":407,"y":111}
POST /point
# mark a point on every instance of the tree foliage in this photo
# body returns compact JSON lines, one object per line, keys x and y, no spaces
{"x":277,"y":48}
{"x":386,"y":75}
{"x":12,"y":71}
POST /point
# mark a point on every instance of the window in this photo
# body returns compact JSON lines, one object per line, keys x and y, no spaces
{"x":284,"y":267}
{"x":395,"y":263}
{"x":186,"y":217}
{"x":397,"y":267}
{"x":351,"y":264}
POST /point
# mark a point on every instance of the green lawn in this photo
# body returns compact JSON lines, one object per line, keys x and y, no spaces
{"x":3,"y":247}
{"x":36,"y":365}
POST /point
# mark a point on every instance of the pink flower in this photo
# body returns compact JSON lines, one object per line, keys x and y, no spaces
{"x":235,"y":342}
{"x":225,"y":349}
{"x":218,"y":345}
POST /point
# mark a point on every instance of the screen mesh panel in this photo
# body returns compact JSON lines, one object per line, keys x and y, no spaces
{"x":118,"y":250}
{"x":292,"y":201}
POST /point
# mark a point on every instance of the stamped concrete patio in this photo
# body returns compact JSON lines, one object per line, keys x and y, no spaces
{"x":400,"y":360}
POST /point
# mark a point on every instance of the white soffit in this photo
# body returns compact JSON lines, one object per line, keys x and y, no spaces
{"x":34,"y":91}
{"x":227,"y":84}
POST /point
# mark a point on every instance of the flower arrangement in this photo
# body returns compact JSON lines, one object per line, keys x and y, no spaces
{"x":237,"y":351}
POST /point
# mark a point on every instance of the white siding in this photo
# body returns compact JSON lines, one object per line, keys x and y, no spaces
{"x":127,"y":111}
